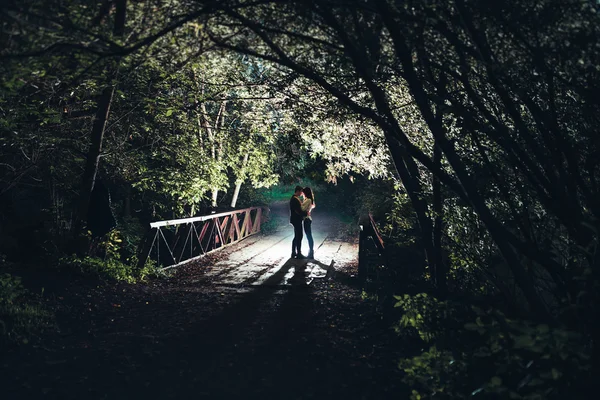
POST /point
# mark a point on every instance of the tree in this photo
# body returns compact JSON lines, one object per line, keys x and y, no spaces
{"x":476,"y":85}
{"x":100,"y":120}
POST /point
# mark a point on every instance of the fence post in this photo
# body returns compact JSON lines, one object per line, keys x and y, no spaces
{"x":371,"y":249}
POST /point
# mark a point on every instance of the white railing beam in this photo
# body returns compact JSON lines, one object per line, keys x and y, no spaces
{"x":181,"y":221}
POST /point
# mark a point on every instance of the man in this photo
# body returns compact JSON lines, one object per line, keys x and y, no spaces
{"x":296,"y":217}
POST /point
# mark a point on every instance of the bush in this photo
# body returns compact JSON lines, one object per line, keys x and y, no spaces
{"x":112,"y":259}
{"x":130,"y":233}
{"x":110,"y":268}
{"x":430,"y":318}
{"x":484,"y":353}
{"x":20,"y":317}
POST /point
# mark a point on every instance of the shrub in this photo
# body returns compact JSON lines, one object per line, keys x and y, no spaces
{"x":111,"y":258}
{"x":484,"y":353}
{"x":20,"y":317}
{"x":10,"y":288}
{"x":430,"y":318}
{"x":110,"y":268}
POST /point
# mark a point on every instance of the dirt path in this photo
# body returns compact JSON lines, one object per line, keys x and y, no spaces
{"x":246,"y":322}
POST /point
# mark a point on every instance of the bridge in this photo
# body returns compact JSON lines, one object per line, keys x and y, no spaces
{"x":246,"y":259}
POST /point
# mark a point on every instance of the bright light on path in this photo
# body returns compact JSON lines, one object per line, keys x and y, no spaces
{"x":264,"y":260}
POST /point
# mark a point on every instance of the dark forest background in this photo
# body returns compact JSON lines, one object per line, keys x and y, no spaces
{"x":468,"y":128}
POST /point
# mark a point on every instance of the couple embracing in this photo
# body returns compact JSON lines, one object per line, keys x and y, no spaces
{"x":301,"y":204}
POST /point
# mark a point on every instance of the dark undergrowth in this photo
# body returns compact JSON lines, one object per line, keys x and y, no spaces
{"x":473,"y":345}
{"x":23,"y":316}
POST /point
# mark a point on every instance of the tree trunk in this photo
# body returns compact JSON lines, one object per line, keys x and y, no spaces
{"x":216,"y":145}
{"x":403,"y":164}
{"x":215,"y":195}
{"x":98,"y":128}
{"x":236,"y":193}
{"x":238,"y":183}
{"x":93,"y":157}
{"x":440,"y":269}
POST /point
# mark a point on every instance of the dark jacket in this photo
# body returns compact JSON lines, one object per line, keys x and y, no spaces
{"x":296,"y":213}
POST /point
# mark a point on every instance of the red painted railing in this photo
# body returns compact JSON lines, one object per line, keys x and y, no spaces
{"x":179,"y":241}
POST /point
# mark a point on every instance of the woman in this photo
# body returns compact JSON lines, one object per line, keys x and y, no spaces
{"x":307,"y":205}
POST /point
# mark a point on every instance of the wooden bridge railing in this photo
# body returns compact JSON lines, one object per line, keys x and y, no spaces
{"x":179,"y":241}
{"x":371,"y":249}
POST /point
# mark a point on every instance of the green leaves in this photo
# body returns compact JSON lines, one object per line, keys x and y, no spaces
{"x":10,"y":288}
{"x":497,"y":355}
{"x":427,"y":315}
{"x":21,"y":318}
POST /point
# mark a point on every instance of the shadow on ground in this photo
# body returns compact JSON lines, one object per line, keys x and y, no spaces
{"x":188,"y":337}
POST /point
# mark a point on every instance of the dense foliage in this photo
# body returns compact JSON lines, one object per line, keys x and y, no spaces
{"x":184,"y":125}
{"x":478,"y":119}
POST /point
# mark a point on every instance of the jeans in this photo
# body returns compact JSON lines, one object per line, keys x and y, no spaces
{"x":308,"y":231}
{"x":297,"y":241}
